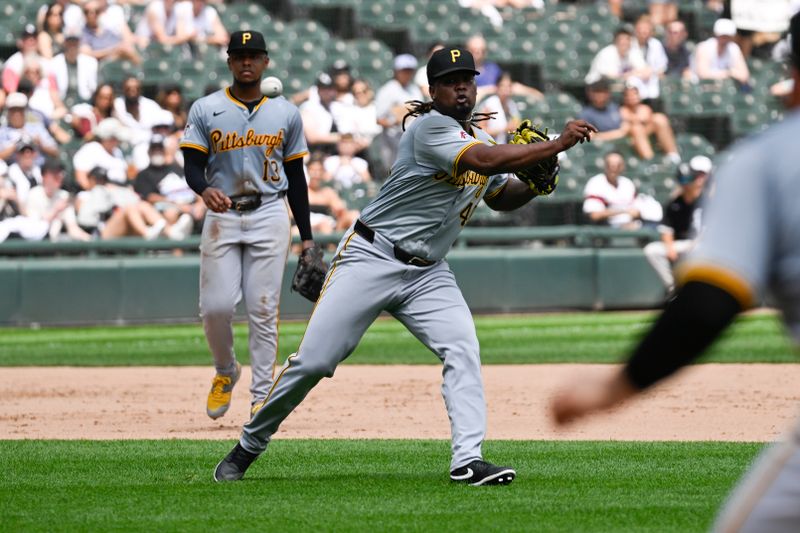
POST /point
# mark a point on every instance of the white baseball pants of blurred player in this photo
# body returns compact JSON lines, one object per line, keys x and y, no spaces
{"x":244,"y":255}
{"x":364,"y":280}
{"x":656,"y":254}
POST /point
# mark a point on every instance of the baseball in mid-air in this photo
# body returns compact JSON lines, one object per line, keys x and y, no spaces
{"x":271,"y":87}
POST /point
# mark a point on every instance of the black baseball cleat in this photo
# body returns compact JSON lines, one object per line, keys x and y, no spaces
{"x":235,"y":464}
{"x":480,"y":472}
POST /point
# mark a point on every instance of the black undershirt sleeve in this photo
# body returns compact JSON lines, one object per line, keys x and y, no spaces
{"x":194,"y":166}
{"x":298,"y":197}
{"x":690,"y":323}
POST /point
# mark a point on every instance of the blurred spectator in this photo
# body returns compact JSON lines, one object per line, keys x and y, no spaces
{"x":13,"y":214}
{"x":85,"y":117}
{"x":604,"y":113}
{"x":162,"y":128}
{"x":16,"y":128}
{"x":75,"y":72}
{"x":507,"y":115}
{"x":170,"y":97}
{"x":610,"y":197}
{"x":487,"y":8}
{"x":643,"y":123}
{"x":719,"y":57}
{"x":207,"y":25}
{"x":678,"y":54}
{"x":681,"y":223}
{"x":103,"y":153}
{"x":618,"y":61}
{"x":50,"y":39}
{"x":421,"y":77}
{"x":663,"y":12}
{"x":136,"y":112}
{"x":390,"y":105}
{"x":44,"y":97}
{"x":71,"y":14}
{"x":108,"y":211}
{"x":163,"y":185}
{"x":12,"y":68}
{"x":24,"y":173}
{"x":654,"y":56}
{"x":111,"y":40}
{"x":52,"y":204}
{"x":319,"y":125}
{"x":59,"y":134}
{"x":360,"y":119}
{"x":166,"y":22}
{"x":345,"y":168}
{"x":489,"y":71}
{"x":328,"y":211}
{"x":342,"y":81}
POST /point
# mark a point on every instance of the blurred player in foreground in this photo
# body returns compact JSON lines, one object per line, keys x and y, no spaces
{"x":750,"y":244}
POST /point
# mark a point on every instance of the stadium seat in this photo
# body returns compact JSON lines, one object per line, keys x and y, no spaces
{"x":245,"y":16}
{"x":692,"y":144}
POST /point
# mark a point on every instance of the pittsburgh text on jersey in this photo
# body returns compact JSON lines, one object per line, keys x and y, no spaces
{"x":225,"y":141}
{"x":468,"y":177}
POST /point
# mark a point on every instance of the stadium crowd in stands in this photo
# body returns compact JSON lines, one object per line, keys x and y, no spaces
{"x":100,"y":151}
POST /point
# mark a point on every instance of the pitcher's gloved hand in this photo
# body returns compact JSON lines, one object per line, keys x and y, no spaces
{"x":542,"y":177}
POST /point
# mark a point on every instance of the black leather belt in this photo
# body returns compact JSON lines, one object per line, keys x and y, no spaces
{"x":400,"y":254}
{"x":245,"y":202}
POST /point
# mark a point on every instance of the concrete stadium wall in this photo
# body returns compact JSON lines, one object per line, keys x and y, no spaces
{"x":119,"y":290}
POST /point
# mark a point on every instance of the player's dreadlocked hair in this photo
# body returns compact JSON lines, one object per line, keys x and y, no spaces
{"x":417,"y":108}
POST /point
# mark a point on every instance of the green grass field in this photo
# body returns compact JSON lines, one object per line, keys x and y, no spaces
{"x":358,"y":485}
{"x":550,"y":338}
{"x":364,"y":486}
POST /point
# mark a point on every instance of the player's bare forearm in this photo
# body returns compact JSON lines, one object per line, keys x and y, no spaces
{"x":590,"y":395}
{"x":514,"y":195}
{"x":501,"y":158}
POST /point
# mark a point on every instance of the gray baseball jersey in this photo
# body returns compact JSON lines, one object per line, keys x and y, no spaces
{"x":750,"y":242}
{"x":243,"y":254}
{"x":421,"y":208}
{"x":416,"y":208}
{"x":246,"y":151}
{"x":750,"y":245}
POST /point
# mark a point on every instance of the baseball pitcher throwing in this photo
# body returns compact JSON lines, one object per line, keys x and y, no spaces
{"x":243,"y":154}
{"x":392,"y":259}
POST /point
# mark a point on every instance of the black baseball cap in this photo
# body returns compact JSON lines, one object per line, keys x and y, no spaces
{"x":449,"y":60}
{"x":247,"y":40}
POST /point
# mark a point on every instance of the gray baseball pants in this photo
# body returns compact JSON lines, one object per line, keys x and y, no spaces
{"x":244,"y":254}
{"x":767,"y":500}
{"x":365,"y":279}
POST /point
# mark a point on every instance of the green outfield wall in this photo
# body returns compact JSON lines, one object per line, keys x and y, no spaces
{"x":68,"y":291}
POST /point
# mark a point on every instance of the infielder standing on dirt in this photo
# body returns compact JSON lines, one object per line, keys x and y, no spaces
{"x":393,"y":260}
{"x":741,"y":253}
{"x":243,"y":154}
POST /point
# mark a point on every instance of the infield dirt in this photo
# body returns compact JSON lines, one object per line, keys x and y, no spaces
{"x":729,"y":402}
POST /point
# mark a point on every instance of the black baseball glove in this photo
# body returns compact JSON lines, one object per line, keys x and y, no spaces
{"x":542,"y":177}
{"x":310,"y":273}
